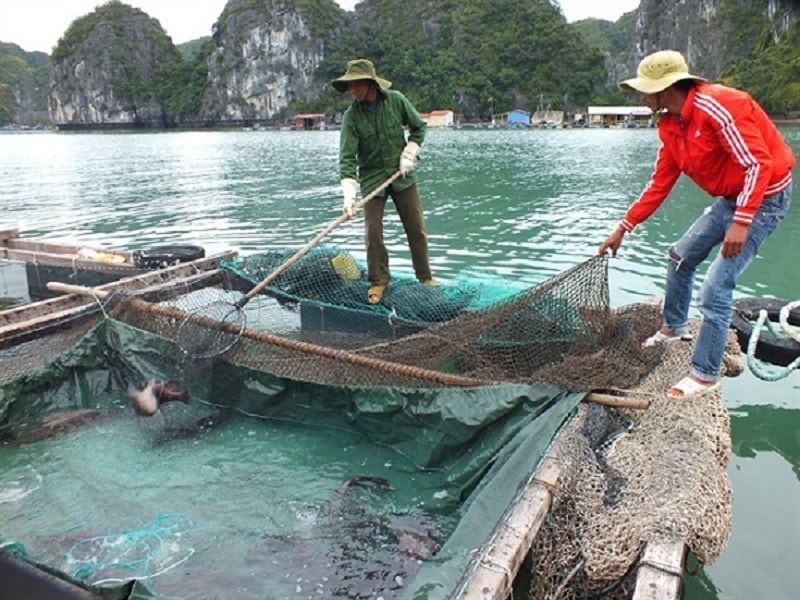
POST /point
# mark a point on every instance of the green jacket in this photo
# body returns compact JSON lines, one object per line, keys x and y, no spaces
{"x":370,"y":143}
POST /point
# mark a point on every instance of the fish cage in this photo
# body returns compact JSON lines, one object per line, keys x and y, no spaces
{"x":337,"y":459}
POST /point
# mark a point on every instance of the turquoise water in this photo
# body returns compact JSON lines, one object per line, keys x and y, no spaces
{"x":521,"y":204}
{"x":251,"y":497}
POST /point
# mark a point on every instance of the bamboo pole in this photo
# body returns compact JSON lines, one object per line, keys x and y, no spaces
{"x":281,"y":342}
{"x":660,"y":574}
{"x":496,"y":572}
{"x":617,"y":401}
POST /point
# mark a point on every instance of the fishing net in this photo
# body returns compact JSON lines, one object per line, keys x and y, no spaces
{"x":466,"y":384}
{"x":629,"y":478}
{"x":313,"y":324}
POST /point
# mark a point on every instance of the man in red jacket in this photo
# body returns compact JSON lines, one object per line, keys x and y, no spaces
{"x":723,"y":140}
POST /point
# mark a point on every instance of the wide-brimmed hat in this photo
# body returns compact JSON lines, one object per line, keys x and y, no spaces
{"x":357,"y":70}
{"x":658,"y":71}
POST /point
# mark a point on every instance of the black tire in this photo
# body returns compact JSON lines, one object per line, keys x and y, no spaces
{"x":770,"y":348}
{"x":166,"y":256}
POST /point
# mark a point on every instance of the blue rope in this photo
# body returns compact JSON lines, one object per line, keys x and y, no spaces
{"x":143,"y":552}
{"x":13,"y":547}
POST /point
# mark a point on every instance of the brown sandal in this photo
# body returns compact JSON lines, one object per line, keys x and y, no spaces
{"x":375,"y":294}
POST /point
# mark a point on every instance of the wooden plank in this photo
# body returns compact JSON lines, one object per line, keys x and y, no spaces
{"x":7,"y":234}
{"x":495,"y":574}
{"x":16,"y":247}
{"x":40,"y":322}
{"x":15,"y":319}
{"x":660,"y":575}
{"x":64,"y":256}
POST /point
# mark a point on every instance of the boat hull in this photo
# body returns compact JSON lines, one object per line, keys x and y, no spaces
{"x":47,"y":261}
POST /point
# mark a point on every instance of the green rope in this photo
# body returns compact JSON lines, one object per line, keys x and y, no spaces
{"x":758,"y":367}
{"x":134,"y":554}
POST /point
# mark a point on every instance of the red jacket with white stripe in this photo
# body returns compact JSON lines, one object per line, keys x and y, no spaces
{"x":725,"y":142}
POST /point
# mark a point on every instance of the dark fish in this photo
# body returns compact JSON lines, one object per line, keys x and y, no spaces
{"x":416,"y":543}
{"x":59,"y":423}
{"x":203,"y":425}
{"x":148,"y":398}
{"x":353,"y":554}
{"x":342,"y":502}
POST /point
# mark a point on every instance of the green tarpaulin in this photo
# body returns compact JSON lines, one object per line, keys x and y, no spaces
{"x":260,"y":487}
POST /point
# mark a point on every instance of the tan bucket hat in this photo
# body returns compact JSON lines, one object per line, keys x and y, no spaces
{"x":658,"y":71}
{"x":357,"y":70}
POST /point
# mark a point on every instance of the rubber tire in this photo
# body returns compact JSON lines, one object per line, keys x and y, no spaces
{"x":770,"y":348}
{"x":159,"y":257}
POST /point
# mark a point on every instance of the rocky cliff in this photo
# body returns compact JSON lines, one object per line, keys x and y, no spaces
{"x":266,"y":57}
{"x":108,"y":69}
{"x":712,"y":34}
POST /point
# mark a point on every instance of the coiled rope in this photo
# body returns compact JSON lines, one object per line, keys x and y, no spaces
{"x":758,"y":367}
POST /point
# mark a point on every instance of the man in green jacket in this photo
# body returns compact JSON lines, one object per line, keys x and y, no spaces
{"x":372,"y":147}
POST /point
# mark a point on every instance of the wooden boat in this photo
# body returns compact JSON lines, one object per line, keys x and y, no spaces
{"x":47,"y":261}
{"x":18,"y":322}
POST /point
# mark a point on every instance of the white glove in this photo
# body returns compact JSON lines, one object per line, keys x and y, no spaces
{"x":349,"y":191}
{"x":408,"y":159}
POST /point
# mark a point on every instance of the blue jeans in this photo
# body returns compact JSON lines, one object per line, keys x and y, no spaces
{"x":716,"y":293}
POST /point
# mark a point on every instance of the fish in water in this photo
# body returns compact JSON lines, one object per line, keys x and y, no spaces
{"x":350,"y":553}
{"x":149,"y":397}
{"x":59,"y":423}
{"x":415,"y":542}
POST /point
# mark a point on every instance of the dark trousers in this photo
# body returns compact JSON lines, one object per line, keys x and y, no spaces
{"x":409,"y":207}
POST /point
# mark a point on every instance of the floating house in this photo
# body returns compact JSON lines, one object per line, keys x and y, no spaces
{"x":309,"y":121}
{"x":439,"y":118}
{"x":547,"y":118}
{"x":514,"y":118}
{"x":619,"y":116}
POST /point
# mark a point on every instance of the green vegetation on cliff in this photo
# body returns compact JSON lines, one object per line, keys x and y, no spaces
{"x":130,"y":52}
{"x":613,"y":39}
{"x":24,"y":81}
{"x":471,"y":55}
{"x":771,"y":72}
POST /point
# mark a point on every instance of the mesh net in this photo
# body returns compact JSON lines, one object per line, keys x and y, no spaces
{"x":634,"y":477}
{"x":313,"y":325}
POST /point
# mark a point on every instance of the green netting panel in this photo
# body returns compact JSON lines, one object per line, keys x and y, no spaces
{"x":331,"y":277}
{"x":261,"y":486}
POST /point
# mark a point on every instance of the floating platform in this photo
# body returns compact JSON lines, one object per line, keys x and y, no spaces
{"x":599,"y":496}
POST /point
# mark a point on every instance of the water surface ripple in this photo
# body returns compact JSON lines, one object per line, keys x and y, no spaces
{"x":524,"y":204}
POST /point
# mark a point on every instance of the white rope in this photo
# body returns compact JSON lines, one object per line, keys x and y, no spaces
{"x":791,"y":332}
{"x":758,"y":367}
{"x":99,"y":301}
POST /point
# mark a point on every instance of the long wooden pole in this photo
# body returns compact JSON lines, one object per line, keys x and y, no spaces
{"x":316,"y":240}
{"x":617,"y":401}
{"x":328,"y":352}
{"x":281,"y":342}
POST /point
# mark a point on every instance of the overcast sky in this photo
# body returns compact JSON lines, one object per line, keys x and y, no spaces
{"x":38,"y":24}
